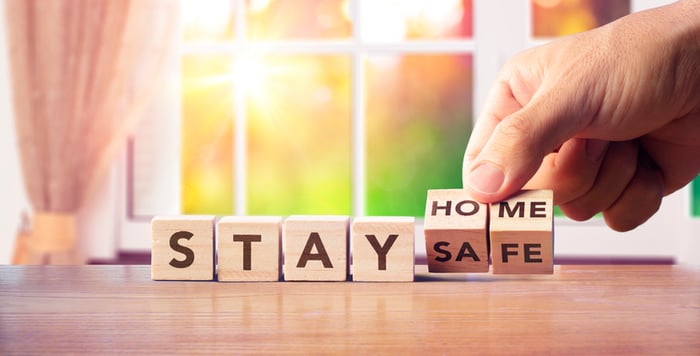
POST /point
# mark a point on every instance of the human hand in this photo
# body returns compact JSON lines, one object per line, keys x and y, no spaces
{"x":609,"y":119}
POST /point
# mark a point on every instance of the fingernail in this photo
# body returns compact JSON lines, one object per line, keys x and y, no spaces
{"x":596,"y":148}
{"x":486,"y":178}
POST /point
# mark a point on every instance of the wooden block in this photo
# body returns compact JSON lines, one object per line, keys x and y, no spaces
{"x":183,"y":248}
{"x":383,"y":249}
{"x":248,"y":248}
{"x":455,"y":232}
{"x":521,"y":233}
{"x":315,"y":248}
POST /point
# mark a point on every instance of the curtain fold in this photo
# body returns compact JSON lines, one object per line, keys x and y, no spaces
{"x":82,"y":73}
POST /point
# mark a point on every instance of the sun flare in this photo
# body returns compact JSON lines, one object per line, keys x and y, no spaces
{"x":250,"y":74}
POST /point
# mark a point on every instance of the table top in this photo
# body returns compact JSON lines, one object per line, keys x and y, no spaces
{"x":578,"y":309}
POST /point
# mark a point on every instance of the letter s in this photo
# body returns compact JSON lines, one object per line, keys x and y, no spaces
{"x":438,"y":248}
{"x":175,"y":245}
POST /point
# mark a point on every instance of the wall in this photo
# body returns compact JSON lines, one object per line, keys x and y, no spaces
{"x":100,"y":215}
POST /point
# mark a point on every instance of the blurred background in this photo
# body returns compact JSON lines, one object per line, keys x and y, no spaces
{"x":275,"y":107}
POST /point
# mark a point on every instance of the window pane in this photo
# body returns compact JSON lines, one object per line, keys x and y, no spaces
{"x":418,"y":123}
{"x":207,"y":135}
{"x":298,"y":19}
{"x":696,"y":197}
{"x":398,"y":20}
{"x":299,"y":135}
{"x":210,"y":20}
{"x":551,"y":18}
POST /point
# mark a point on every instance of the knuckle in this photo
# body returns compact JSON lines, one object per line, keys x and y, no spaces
{"x":576,"y":184}
{"x":623,"y":156}
{"x":640,"y":201}
{"x":578,"y":212}
{"x":516,"y":127}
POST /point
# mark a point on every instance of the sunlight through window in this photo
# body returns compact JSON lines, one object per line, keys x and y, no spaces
{"x":552,"y":18}
{"x":297,"y":109}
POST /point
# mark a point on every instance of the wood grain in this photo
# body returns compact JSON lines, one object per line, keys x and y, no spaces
{"x":316,"y":247}
{"x":248,"y":248}
{"x":521,"y":233}
{"x":456,"y":238}
{"x":383,"y":248}
{"x":577,"y":310}
{"x":182,"y":247}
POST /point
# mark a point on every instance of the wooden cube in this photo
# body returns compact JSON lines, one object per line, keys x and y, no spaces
{"x":383,"y":249}
{"x":248,"y":248}
{"x":456,"y":232}
{"x":315,"y":248}
{"x":521,"y":233}
{"x":182,"y":248}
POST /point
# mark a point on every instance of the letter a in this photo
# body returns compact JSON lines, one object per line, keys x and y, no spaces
{"x":322,"y":255}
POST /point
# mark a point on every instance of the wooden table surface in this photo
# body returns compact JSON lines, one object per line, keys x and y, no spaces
{"x":578,"y":310}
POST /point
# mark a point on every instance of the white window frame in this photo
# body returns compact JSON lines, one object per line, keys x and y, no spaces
{"x":499,"y":33}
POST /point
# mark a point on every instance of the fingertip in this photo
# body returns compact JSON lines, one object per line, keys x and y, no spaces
{"x":486,"y":178}
{"x":484,"y":181}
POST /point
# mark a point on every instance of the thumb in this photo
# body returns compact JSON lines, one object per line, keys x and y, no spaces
{"x":507,"y":152}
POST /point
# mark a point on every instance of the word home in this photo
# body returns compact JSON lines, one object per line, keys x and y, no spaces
{"x":459,"y":232}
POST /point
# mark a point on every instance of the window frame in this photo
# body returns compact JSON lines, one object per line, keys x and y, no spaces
{"x":491,"y":45}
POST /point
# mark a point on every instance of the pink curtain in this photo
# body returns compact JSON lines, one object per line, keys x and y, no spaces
{"x":82,"y":71}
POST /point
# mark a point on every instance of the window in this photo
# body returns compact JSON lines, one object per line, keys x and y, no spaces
{"x":418,"y":123}
{"x":323,"y":106}
{"x":345,"y":107}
